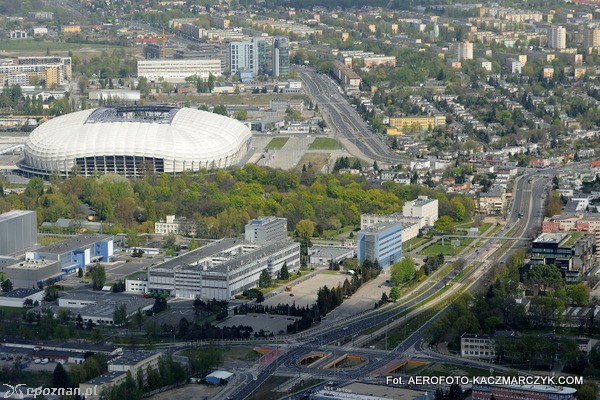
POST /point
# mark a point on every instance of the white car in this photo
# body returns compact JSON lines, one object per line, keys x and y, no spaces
{"x":37,"y":361}
{"x":44,"y":361}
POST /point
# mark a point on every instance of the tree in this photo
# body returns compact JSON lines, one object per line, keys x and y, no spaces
{"x":284,"y":274}
{"x":305,"y":228}
{"x":7,"y":286}
{"x":394,"y":293}
{"x":587,"y":391}
{"x":120,"y":315}
{"x":403,"y":271}
{"x":98,"y":277}
{"x":260,"y":298}
{"x":241,"y":115}
{"x":264,"y":280}
{"x":60,"y":378}
{"x":579,"y":294}
{"x":445,"y":224}
{"x":80,"y":272}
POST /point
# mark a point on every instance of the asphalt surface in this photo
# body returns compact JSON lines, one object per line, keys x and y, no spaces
{"x":528,"y":200}
{"x":344,"y":120}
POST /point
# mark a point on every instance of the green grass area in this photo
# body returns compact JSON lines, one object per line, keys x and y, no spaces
{"x":398,"y":334}
{"x":8,"y":312}
{"x":277,"y":143}
{"x":484,"y":227}
{"x":277,"y":283}
{"x":43,"y":46}
{"x":266,"y":391}
{"x":574,"y":236}
{"x":447,"y":249}
{"x":414,"y":243}
{"x":495,"y":230}
{"x":350,"y":362}
{"x":330,"y":272}
{"x":325,"y":144}
{"x":243,"y":99}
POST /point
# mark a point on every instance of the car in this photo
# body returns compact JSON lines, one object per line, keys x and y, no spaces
{"x":291,"y":294}
{"x":37,"y":361}
{"x":44,"y":361}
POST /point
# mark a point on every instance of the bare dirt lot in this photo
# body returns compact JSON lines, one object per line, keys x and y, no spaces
{"x":305,"y":293}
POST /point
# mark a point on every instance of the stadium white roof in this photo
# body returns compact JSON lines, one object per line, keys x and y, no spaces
{"x":185,"y":139}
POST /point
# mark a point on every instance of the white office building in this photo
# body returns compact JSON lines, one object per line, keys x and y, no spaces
{"x":265,"y":230}
{"x":424,"y":208}
{"x":179,"y":226}
{"x":222,"y":269}
{"x":247,"y":56}
{"x":178,"y":70}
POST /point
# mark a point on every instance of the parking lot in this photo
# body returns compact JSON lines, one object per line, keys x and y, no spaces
{"x":305,"y":293}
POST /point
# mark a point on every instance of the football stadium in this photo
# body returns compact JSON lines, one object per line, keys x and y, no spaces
{"x":134,"y":141}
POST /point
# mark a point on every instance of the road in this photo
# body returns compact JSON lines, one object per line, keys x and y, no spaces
{"x":345,"y":121}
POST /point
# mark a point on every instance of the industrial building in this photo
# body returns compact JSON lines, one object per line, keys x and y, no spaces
{"x":323,"y":255}
{"x":572,"y":253}
{"x":265,"y":230}
{"x":381,"y":242}
{"x":18,"y":232}
{"x":99,"y":307}
{"x":135,"y":140}
{"x":178,"y":70}
{"x":222,"y":269}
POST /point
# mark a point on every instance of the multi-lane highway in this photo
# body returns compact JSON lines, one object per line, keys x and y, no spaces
{"x":528,"y":202}
{"x":345,"y":120}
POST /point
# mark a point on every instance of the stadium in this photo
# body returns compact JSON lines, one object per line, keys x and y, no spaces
{"x":133,"y":141}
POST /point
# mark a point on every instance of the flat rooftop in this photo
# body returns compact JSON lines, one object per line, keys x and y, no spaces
{"x":21,"y":293}
{"x":551,"y":237}
{"x":14,"y":214}
{"x":32,"y":264}
{"x":380,"y":227}
{"x":384,"y":391}
{"x":106,"y":307}
{"x":223,"y":250}
{"x":106,"y":378}
{"x":133,"y":357}
{"x":329,"y":251}
{"x":73,"y":243}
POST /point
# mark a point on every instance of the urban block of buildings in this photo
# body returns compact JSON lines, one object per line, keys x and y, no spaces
{"x":47,"y":71}
{"x":572,"y":253}
{"x":177,"y":70}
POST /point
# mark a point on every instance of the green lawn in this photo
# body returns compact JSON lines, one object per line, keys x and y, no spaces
{"x":447,"y":249}
{"x":43,"y":46}
{"x":414,"y":243}
{"x":325,"y":144}
{"x":484,"y":227}
{"x":277,"y":143}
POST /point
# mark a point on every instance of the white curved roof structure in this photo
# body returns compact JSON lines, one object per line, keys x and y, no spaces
{"x":135,"y":140}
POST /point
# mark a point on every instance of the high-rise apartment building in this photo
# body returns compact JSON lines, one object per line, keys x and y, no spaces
{"x":464,"y":51}
{"x":248,"y":56}
{"x":557,"y":37}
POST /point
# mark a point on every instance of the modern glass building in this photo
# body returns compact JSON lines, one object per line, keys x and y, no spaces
{"x":281,"y":56}
{"x":381,"y":242}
